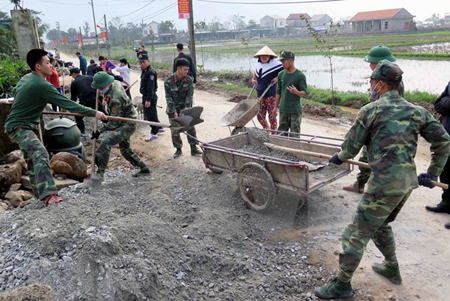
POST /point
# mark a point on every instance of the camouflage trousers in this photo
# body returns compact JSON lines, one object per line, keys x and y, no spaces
{"x":37,"y":159}
{"x":364,"y":173}
{"x":120,"y":136}
{"x":267,"y":106}
{"x":176,"y":139}
{"x":290,"y":122}
{"x":370,"y":221}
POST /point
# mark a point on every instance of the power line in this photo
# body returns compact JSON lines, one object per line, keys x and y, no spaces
{"x":138,"y":9}
{"x":160,"y":11}
{"x":252,"y":3}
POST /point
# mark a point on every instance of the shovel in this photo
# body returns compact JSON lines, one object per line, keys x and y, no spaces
{"x":179,"y":122}
{"x":325,"y":156}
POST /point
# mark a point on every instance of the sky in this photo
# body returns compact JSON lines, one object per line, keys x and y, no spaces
{"x":73,"y":13}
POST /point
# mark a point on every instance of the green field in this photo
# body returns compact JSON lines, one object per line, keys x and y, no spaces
{"x":400,"y":44}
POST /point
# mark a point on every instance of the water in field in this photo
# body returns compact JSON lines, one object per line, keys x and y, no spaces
{"x":349,"y":72}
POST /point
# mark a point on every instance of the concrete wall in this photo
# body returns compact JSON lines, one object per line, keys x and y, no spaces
{"x":25,"y":31}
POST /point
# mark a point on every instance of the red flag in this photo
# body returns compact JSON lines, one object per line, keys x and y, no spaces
{"x":99,"y":27}
{"x":65,"y":41}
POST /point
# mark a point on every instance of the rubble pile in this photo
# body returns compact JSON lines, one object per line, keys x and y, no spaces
{"x":182,"y":234}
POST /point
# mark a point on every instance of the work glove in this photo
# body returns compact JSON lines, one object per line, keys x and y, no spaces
{"x":95,"y":135}
{"x":335,"y":159}
{"x":425,"y":179}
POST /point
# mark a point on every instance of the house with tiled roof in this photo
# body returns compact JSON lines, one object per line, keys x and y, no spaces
{"x":295,"y":20}
{"x":320,"y":20}
{"x":378,"y":21}
{"x":273,"y":22}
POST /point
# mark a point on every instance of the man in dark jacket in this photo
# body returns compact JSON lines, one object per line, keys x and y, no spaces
{"x":83,"y":63}
{"x":442,"y":106}
{"x":148,"y":89}
{"x":81,"y":89}
{"x":92,"y":66}
{"x":192,"y":73}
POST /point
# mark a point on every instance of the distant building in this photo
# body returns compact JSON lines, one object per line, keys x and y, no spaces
{"x":295,"y":20}
{"x":388,"y":20}
{"x":273,"y":22}
{"x":447,"y":17}
{"x":152,"y":26}
{"x":320,"y":20}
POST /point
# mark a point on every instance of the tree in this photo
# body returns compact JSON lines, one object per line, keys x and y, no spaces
{"x":201,"y":25}
{"x":52,"y":35}
{"x":42,"y":27}
{"x":325,"y":42}
{"x":215,"y":24}
{"x":167,"y":27}
{"x":237,"y":22}
{"x":251,"y":24}
{"x":86,"y":28}
{"x":72,"y":33}
{"x":3,"y":15}
{"x":246,"y":41}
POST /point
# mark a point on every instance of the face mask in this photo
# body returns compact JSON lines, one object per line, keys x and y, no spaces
{"x":374,"y":94}
{"x":104,"y":90}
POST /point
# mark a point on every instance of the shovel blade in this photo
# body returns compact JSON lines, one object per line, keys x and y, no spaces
{"x":182,"y":121}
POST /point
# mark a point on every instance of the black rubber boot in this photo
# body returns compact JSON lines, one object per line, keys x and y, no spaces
{"x":177,"y":153}
{"x":438,"y":209}
{"x":195,"y":151}
{"x":144,"y":172}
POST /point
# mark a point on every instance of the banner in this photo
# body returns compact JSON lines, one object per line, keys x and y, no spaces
{"x":103,"y":35}
{"x":65,"y":41}
{"x":183,"y":9}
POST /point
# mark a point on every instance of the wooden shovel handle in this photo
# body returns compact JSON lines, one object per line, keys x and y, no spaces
{"x":325,"y":156}
{"x":113,"y":118}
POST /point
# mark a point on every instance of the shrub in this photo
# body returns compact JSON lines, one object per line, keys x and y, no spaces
{"x":11,"y":71}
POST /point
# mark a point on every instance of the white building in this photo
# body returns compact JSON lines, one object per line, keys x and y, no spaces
{"x":320,"y":20}
{"x":273,"y":22}
{"x":152,"y":26}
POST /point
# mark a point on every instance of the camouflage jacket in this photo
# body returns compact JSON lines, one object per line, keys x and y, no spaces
{"x":179,"y":93}
{"x":118,"y":104}
{"x":389,"y":127}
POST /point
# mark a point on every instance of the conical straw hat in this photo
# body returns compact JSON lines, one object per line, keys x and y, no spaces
{"x":265,"y":51}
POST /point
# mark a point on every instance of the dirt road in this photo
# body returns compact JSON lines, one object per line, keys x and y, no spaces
{"x":423,"y":245}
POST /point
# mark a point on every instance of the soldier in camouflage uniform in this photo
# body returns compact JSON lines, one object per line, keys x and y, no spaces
{"x":118,"y":104}
{"x":375,"y":55}
{"x":389,"y":127}
{"x":31,"y":96}
{"x":179,"y":95}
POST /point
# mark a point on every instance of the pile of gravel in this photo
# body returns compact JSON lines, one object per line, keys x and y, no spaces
{"x":181,"y":234}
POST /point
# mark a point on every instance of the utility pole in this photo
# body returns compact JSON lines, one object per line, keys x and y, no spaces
{"x":95,"y":26}
{"x":59,"y":31}
{"x":81,"y":37}
{"x":107,"y":39}
{"x":191,"y":35}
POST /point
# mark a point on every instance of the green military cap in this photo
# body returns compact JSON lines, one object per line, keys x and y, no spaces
{"x":388,"y":72}
{"x":143,"y":57}
{"x":286,"y":55}
{"x":102,"y":80}
{"x":379,"y":53}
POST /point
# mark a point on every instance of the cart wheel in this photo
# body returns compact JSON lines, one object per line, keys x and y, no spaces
{"x":237,"y":130}
{"x":256,"y":186}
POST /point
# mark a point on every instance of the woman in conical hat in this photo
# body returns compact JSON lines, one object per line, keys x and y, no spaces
{"x":266,"y":73}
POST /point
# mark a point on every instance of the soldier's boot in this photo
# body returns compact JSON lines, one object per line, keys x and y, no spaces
{"x":177,"y":153}
{"x":391,"y":273}
{"x":447,"y":226}
{"x":144,"y":172}
{"x":195,"y":151}
{"x":335,"y":288}
{"x":355,"y":187}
